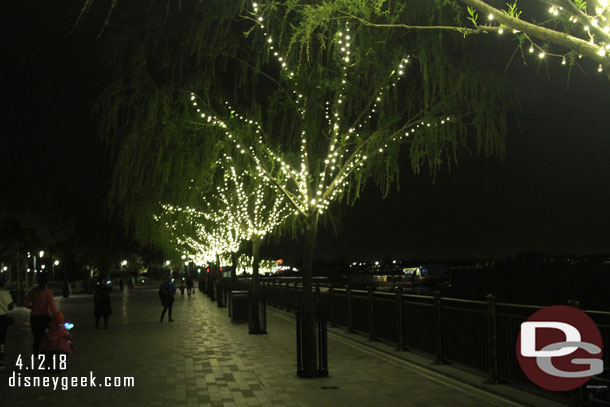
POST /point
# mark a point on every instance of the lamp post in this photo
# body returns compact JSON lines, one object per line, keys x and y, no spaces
{"x":55,"y":263}
{"x":123,"y":264}
{"x":40,"y":254}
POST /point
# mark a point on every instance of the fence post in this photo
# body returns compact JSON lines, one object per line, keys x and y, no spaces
{"x":438,"y":331}
{"x":299,"y":315}
{"x":579,"y":394}
{"x":400,"y":339}
{"x":284,"y":295}
{"x":371,"y":311}
{"x":348,"y":295}
{"x":492,"y":339}
{"x":330,"y":305}
{"x":296,"y":293}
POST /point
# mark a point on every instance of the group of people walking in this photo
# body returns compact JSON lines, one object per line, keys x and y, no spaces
{"x":49,"y":333}
{"x":188,"y":284}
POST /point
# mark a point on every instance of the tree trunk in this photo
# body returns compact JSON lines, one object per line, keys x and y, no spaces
{"x":255,"y":327}
{"x":234,"y":270}
{"x":20,"y":280}
{"x":256,"y":243}
{"x":309,"y":335}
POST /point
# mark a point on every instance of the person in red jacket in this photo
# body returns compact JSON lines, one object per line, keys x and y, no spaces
{"x":57,"y":339}
{"x":40,"y":301}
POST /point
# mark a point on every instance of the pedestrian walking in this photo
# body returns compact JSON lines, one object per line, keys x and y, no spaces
{"x":102,"y":305}
{"x":189,"y":286}
{"x":182,"y":287}
{"x":40,"y":301}
{"x":121,"y":285}
{"x":166,"y":294}
{"x":6,"y":304}
{"x":66,"y":289}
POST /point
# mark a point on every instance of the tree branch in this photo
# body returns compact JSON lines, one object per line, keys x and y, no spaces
{"x":542,"y":33}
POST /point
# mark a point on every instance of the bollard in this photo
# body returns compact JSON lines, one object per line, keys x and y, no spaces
{"x":400,"y":339}
{"x":438,"y":331}
{"x":371,"y":312}
{"x":348,"y":295}
{"x":492,"y":339}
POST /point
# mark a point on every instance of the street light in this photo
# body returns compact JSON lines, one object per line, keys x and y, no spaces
{"x":123,"y":264}
{"x":55,"y":263}
{"x":40,"y":254}
{"x":167,"y":263}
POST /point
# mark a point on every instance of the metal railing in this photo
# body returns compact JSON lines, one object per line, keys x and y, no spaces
{"x":478,"y":334}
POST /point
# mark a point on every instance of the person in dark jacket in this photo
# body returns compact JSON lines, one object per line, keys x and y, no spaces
{"x":190,"y":287}
{"x":166,"y":294}
{"x":102,"y":305}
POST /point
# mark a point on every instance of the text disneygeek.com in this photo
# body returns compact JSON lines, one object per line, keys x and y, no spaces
{"x":17,"y":380}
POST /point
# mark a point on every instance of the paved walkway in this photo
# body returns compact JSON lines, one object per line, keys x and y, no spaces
{"x":202,"y":359}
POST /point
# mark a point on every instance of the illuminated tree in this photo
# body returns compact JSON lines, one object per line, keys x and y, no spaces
{"x":564,"y":29}
{"x":316,"y":119}
{"x":244,"y":207}
{"x":342,"y":105}
{"x":567,"y":29}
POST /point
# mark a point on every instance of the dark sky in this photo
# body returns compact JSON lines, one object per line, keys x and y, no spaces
{"x":550,"y":192}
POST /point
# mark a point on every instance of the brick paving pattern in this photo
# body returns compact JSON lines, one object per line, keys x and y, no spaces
{"x":202,"y":359}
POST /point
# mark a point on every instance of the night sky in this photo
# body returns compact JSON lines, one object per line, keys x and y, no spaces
{"x":550,"y":192}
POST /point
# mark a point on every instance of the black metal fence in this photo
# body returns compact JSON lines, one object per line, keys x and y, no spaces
{"x":478,"y":334}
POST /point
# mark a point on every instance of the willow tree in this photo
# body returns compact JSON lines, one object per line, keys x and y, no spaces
{"x":341,"y":104}
{"x":243,"y":206}
{"x":566,"y":30}
{"x":156,"y":54}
